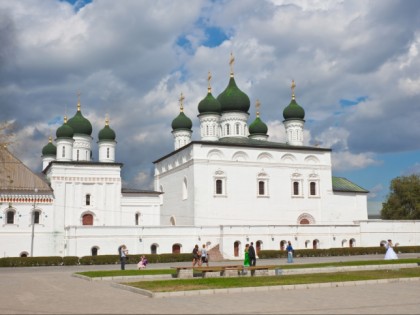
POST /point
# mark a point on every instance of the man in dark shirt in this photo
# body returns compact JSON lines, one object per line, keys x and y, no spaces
{"x":252,"y":256}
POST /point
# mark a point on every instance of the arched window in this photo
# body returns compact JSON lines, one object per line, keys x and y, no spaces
{"x":304,"y":221}
{"x":184,"y":189}
{"x":312,"y":189}
{"x":261,"y":188}
{"x":176,"y":249}
{"x":24,"y":254}
{"x":296,"y":188}
{"x":94,"y":251}
{"x":137,"y":218}
{"x":87,"y":219}
{"x":227,"y":129}
{"x":63,"y":151}
{"x":236,"y":248}
{"x":87,"y":200}
{"x":10,"y":217}
{"x":237,"y":129}
{"x":107,"y":153}
{"x":153,"y":249}
{"x":315,"y":244}
{"x":219,"y":187}
{"x":172,"y":221}
{"x":37,"y":215}
{"x":77,"y":155}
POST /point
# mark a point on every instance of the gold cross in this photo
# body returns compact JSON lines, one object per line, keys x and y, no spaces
{"x":257,"y":106}
{"x":208,"y":80}
{"x":78,"y":100}
{"x":181,"y":99}
{"x":231,"y":62}
{"x":293,"y":89}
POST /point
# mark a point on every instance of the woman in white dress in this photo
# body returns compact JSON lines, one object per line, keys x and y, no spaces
{"x":390,"y":253}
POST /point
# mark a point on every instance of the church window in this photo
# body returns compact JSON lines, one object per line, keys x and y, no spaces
{"x":10,"y":217}
{"x":137,"y":218}
{"x":207,"y":130}
{"x":77,"y":155}
{"x":87,"y":200}
{"x":107,"y":153}
{"x":153,"y":249}
{"x":296,"y":188}
{"x":37,"y":215}
{"x":63,"y":151}
{"x":261,"y":188}
{"x":172,"y":221}
{"x":184,"y":189}
{"x":237,"y":129}
{"x":94,"y":250}
{"x":227,"y":129}
{"x":87,"y":219}
{"x":219,"y":187}
{"x":312,"y":189}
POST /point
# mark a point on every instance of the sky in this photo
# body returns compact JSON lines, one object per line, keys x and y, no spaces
{"x":355,"y":63}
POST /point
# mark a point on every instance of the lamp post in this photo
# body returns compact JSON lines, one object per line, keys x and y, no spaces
{"x":33,"y":224}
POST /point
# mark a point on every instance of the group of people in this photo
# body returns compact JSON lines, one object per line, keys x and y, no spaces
{"x":200,"y":256}
{"x":123,"y":253}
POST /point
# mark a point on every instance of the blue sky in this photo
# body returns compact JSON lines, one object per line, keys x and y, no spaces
{"x":355,"y":64}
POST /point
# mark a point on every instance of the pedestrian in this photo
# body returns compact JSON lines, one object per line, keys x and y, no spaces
{"x":246,"y":256}
{"x":252,"y":255}
{"x":290,"y":251}
{"x":196,"y":257}
{"x":204,"y":256}
{"x":390,"y":253}
{"x":123,"y":252}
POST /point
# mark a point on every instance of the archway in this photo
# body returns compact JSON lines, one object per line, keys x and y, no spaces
{"x":176,"y":249}
{"x":87,"y":219}
{"x":94,"y":251}
{"x":153,"y":249}
{"x":283,"y":245}
{"x":236,"y":248}
{"x":258,"y":246}
{"x":315,"y":244}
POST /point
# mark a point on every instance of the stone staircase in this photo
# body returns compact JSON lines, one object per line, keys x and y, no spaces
{"x":215,"y":254}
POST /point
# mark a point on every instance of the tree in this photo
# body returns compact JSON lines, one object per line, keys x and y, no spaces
{"x":403,"y":200}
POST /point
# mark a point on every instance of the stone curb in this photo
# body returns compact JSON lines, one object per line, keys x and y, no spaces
{"x":259,"y":289}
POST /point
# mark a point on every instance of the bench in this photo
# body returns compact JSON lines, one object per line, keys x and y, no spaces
{"x":226,"y":271}
{"x":184,"y":272}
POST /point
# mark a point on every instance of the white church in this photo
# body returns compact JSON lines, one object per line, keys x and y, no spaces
{"x":230,"y":187}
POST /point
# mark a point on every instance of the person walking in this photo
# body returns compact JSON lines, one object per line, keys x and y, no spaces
{"x":196,"y":257}
{"x":123,"y":252}
{"x":252,"y":255}
{"x":390,"y":253}
{"x":204,"y":256}
{"x":290,"y":251}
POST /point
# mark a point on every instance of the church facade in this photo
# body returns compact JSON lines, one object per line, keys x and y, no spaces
{"x":228,"y":188}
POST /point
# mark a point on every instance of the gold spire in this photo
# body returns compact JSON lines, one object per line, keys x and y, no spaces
{"x":78,"y":101}
{"x":257,"y":106}
{"x":208,"y":80}
{"x":231,"y":62}
{"x":181,"y":99}
{"x":50,"y":139}
{"x":106,"y":120}
{"x":65,"y":119}
{"x":293,"y":89}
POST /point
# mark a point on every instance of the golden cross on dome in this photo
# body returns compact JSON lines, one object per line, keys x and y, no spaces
{"x":181,"y":99}
{"x":65,"y":119}
{"x":106,"y":120}
{"x":293,"y":89}
{"x":257,"y":106}
{"x":231,"y":62}
{"x":208,"y":80}
{"x":78,"y":100}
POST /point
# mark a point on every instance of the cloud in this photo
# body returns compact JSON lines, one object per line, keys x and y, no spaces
{"x":132,"y":61}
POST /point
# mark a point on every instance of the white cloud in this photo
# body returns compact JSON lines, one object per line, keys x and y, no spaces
{"x":344,"y":160}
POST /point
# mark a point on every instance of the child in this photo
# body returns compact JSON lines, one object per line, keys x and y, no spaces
{"x":142,"y":263}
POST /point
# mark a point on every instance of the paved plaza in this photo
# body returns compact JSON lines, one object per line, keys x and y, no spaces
{"x":53,"y":290}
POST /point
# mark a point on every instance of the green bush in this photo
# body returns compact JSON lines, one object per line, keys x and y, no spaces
{"x":70,"y":260}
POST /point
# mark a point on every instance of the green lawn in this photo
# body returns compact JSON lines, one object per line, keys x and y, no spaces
{"x":236,"y":282}
{"x":116,"y":273}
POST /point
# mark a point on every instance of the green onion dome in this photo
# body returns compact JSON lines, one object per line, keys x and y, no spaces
{"x":79,"y":123}
{"x":233,"y":99}
{"x":65,"y":131}
{"x":49,"y":149}
{"x":258,"y":127}
{"x":181,"y":122}
{"x":293,"y":110}
{"x":106,"y":133}
{"x":209,"y":105}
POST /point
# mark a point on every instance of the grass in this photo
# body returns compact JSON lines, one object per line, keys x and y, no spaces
{"x":117,"y":273}
{"x":235,"y":282}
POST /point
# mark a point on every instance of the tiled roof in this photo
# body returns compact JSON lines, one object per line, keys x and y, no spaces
{"x":16,"y":176}
{"x":344,"y":185}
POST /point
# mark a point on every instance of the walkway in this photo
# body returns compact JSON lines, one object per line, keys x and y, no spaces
{"x":52,"y":290}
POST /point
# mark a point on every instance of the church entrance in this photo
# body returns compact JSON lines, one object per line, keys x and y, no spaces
{"x":258,"y":247}
{"x":236,"y":249}
{"x":176,"y":249}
